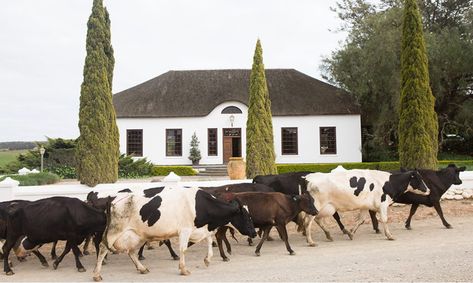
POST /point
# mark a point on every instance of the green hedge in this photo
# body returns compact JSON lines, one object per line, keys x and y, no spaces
{"x":179,"y":170}
{"x":35,"y":179}
{"x":384,"y":166}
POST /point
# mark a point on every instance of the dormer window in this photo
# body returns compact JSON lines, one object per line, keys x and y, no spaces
{"x":231,"y":110}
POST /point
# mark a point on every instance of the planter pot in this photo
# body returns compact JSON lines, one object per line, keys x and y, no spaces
{"x":236,"y":168}
{"x":195,"y":162}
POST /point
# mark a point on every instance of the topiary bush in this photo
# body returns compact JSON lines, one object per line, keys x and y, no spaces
{"x":35,"y":179}
{"x":179,"y":170}
{"x":134,"y":168}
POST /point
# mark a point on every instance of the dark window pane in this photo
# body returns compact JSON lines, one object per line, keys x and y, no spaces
{"x":212,"y":142}
{"x":289,"y":140}
{"x":231,"y":110}
{"x":173,"y":142}
{"x":328,"y":140}
{"x":134,"y":142}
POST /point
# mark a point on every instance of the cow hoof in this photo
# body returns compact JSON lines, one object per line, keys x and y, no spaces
{"x":21,"y":259}
{"x":377,"y":232}
{"x":141,"y":257}
{"x":257,"y":253}
{"x":229,"y":252}
{"x":185,"y":272}
{"x":292,"y":253}
{"x":150,"y":247}
{"x":9,"y":273}
{"x":97,"y":278}
{"x":448,"y":226}
{"x":226,"y":259}
{"x":207,"y":262}
{"x":45,"y":264}
{"x":55,"y":265}
{"x":391,"y":238}
{"x":312,"y":245}
{"x":408,"y":227}
{"x":175,"y":258}
{"x":85,"y":253}
{"x":214,"y":244}
{"x":144,"y":271}
{"x":81,"y":255}
{"x":81,"y":269}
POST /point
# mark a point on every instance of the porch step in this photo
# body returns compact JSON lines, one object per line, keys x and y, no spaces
{"x":211,"y":170}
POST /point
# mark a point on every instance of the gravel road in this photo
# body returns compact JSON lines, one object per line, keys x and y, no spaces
{"x":429,"y":252}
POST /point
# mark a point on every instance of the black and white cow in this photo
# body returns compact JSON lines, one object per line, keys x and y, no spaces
{"x":438,"y":182}
{"x":188,"y":213}
{"x":49,"y":220}
{"x":359,"y":190}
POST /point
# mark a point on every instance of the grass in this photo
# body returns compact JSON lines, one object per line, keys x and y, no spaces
{"x":9,"y":156}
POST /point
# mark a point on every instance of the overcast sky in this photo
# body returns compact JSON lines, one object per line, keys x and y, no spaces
{"x":42,"y":49}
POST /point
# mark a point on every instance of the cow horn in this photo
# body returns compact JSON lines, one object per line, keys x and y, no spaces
{"x":300,"y":190}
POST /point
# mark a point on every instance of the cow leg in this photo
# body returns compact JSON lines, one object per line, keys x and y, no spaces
{"x":308,"y":229}
{"x":383,"y":217}
{"x":140,"y":252}
{"x":171,"y":251}
{"x":67,"y":249}
{"x":103,"y":250}
{"x":265,"y":236}
{"x":7,"y":247}
{"x":77,"y":253}
{"x":210,"y":251}
{"x":322,"y":226}
{"x":411,"y":213}
{"x":359,"y":220}
{"x":440,"y":213}
{"x":140,"y":267}
{"x":283,"y":233}
{"x":345,"y":231}
{"x":53,"y":251}
{"x":183,"y":240}
{"x":41,"y":258}
{"x":85,"y":248}
{"x":374,"y":221}
{"x":219,"y":236}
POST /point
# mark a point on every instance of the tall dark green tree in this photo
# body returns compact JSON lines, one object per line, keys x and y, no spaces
{"x":418,"y":126}
{"x":97,"y":149}
{"x":260,"y":156}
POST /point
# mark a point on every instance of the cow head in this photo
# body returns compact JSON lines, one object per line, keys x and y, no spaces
{"x":306,"y":203}
{"x":242,"y":220}
{"x":412,"y":182}
{"x":451,"y":174}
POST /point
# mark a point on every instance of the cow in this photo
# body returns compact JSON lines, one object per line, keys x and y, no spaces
{"x":268,"y":210}
{"x":189,"y":213}
{"x":290,"y":184}
{"x":5,"y":208}
{"x":49,"y":220}
{"x":101,"y":203}
{"x":438,"y":182}
{"x":359,"y":190}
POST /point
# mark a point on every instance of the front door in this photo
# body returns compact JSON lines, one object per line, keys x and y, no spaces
{"x":231,"y":143}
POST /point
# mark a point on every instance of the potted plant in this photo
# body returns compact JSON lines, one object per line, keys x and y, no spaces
{"x":194,"y":154}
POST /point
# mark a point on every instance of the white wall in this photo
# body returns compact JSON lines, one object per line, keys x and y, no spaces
{"x":348,"y":132}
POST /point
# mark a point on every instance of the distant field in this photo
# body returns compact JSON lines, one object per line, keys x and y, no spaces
{"x":8,"y":156}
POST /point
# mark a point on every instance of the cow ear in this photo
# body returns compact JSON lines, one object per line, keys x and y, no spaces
{"x":461,"y":169}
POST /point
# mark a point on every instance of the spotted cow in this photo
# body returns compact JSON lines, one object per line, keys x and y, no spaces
{"x":359,"y":190}
{"x":188,"y":213}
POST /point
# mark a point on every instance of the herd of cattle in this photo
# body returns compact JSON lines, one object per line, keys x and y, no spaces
{"x":126,"y":221}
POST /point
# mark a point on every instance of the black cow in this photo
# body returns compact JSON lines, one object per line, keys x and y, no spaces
{"x":52,"y":219}
{"x":438,"y":182}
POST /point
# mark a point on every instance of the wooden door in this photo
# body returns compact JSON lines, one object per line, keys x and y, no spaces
{"x":227,"y":149}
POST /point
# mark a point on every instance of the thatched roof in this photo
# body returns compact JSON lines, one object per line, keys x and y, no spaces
{"x":197,"y":93}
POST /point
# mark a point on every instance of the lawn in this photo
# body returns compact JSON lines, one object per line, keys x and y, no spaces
{"x":8,"y":156}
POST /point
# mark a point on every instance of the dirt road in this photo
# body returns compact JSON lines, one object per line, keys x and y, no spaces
{"x":429,"y":252}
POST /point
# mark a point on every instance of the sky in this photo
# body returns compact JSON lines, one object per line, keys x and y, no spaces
{"x":42,"y":49}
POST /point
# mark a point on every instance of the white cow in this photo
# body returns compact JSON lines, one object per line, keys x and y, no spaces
{"x":362,"y":190}
{"x":189,"y":213}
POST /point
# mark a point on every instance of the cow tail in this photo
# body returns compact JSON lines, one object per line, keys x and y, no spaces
{"x":108,"y":213}
{"x":232,"y":232}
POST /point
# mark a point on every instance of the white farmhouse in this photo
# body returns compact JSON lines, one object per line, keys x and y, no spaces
{"x":313,"y":122}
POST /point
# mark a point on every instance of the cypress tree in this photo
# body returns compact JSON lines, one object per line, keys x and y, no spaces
{"x":418,"y":125}
{"x":97,"y":148}
{"x":260,"y":156}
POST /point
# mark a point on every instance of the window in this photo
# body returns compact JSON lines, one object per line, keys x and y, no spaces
{"x":231,"y":110}
{"x":328,"y":140}
{"x":134,"y":142}
{"x":212,"y":142}
{"x":173,"y":142}
{"x":288,"y":141}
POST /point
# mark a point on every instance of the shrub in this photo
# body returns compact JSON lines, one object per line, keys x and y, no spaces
{"x":133,"y":168}
{"x":35,"y":179}
{"x":179,"y":170}
{"x":65,"y":172}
